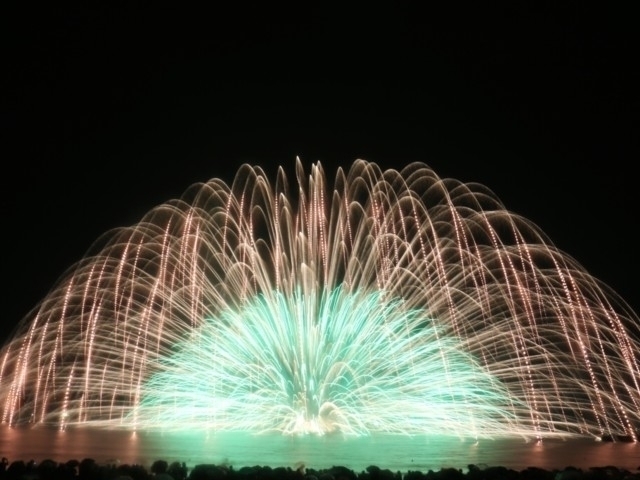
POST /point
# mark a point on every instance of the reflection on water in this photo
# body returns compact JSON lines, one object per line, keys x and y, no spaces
{"x":397,"y":453}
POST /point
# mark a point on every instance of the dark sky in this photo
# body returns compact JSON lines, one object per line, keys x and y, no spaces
{"x":110,"y":109}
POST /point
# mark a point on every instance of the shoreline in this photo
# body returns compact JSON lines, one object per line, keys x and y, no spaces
{"x":90,"y":469}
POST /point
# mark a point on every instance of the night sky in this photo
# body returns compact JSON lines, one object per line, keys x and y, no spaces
{"x":109,"y":110}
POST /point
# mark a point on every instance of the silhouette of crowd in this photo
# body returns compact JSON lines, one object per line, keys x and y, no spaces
{"x":89,"y":469}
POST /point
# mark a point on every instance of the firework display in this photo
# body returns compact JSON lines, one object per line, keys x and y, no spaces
{"x":388,"y":301}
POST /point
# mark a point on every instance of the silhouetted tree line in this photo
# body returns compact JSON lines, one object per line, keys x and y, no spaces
{"x":89,"y":469}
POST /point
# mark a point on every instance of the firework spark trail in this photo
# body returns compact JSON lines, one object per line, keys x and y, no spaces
{"x":391,"y":301}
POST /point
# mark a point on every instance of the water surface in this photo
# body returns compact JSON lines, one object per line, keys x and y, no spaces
{"x":398,"y":453}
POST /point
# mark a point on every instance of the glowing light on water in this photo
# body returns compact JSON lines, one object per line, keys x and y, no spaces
{"x":388,"y":301}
